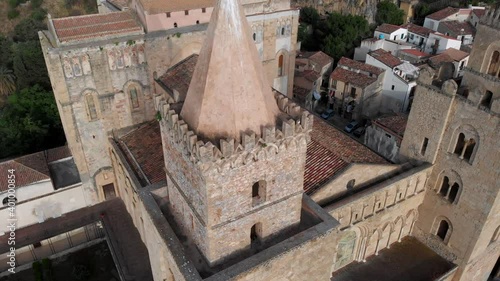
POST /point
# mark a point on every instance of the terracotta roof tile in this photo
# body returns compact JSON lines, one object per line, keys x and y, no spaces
{"x":358,"y":79}
{"x":459,"y":28}
{"x":417,"y":29}
{"x":144,"y":145}
{"x":310,"y":75}
{"x":394,"y":124}
{"x":24,"y":175}
{"x":437,"y":60}
{"x":179,"y":76}
{"x":58,"y":153}
{"x":360,"y":66}
{"x":479,"y":12}
{"x":387,"y":28}
{"x":385,"y":57}
{"x":444,"y":13}
{"x":321,"y":58}
{"x":97,"y":25}
{"x":455,"y":54}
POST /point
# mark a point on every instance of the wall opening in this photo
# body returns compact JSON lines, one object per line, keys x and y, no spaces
{"x":91,"y":109}
{"x":424,"y":146}
{"x":469,"y":149}
{"x":280,"y":66}
{"x":256,"y":234}
{"x":487,"y":98}
{"x":134,"y":97}
{"x":109,"y":191}
{"x":444,"y":186}
{"x":494,"y":63}
{"x":460,"y":144}
{"x":258,"y":192}
{"x":443,"y":229}
{"x":453,"y":192}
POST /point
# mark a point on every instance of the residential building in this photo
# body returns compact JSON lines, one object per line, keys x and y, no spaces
{"x":449,"y":64}
{"x":390,"y":32}
{"x":356,"y":89}
{"x":462,"y":31}
{"x":372,"y":44}
{"x":385,"y":135}
{"x":399,"y":80}
{"x":413,"y":56}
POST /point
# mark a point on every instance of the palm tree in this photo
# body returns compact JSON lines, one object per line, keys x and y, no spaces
{"x":7,"y":82}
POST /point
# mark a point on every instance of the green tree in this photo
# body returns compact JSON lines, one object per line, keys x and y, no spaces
{"x":30,"y":122}
{"x":388,"y":12}
{"x":5,"y":52}
{"x":309,"y":15}
{"x":7,"y":81}
{"x":29,"y":65}
{"x":27,"y":30}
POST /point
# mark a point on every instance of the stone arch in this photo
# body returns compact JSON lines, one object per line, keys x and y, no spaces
{"x":91,"y":104}
{"x":489,"y":66}
{"x":396,"y":232}
{"x":372,"y":243}
{"x":442,"y":228}
{"x":410,"y":219}
{"x":465,"y":142}
{"x":282,"y":63}
{"x":134,"y":91}
{"x":346,"y":248}
{"x":102,"y":178}
{"x":385,"y":236}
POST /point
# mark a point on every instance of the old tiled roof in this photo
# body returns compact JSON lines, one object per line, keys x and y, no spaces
{"x":387,"y":28}
{"x":143,"y":146}
{"x":445,"y":36}
{"x":385,"y":58}
{"x":329,"y":152}
{"x":310,"y":75}
{"x":359,"y":65}
{"x":437,"y":60}
{"x":459,"y":28}
{"x":479,"y":12}
{"x":179,"y":76}
{"x":414,"y":52}
{"x":393,"y":124}
{"x":318,"y":57}
{"x":417,"y":29}
{"x":358,"y":79}
{"x":96,"y":25}
{"x":156,"y":7}
{"x":444,"y":13}
{"x":300,"y":92}
{"x":455,"y":54}
{"x":32,"y":168}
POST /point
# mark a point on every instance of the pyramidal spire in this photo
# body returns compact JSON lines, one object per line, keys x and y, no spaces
{"x":228,"y":94}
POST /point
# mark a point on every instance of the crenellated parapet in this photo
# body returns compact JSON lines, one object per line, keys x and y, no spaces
{"x":292,"y":133}
{"x":492,"y":18}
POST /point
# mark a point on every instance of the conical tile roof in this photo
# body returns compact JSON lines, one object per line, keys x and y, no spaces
{"x":228,"y":93}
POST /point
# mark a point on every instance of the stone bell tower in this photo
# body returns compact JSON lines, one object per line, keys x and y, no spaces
{"x":235,"y":153}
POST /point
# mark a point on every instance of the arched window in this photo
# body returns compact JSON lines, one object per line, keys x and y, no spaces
{"x":175,"y":24}
{"x":486,"y":100}
{"x":5,"y":201}
{"x":254,"y":36}
{"x":134,"y":97}
{"x":443,"y":230}
{"x":282,"y":31}
{"x":453,"y":192}
{"x":256,"y":234}
{"x":444,"y":186}
{"x":258,"y":192}
{"x":91,"y":109}
{"x":494,"y":64}
{"x":469,"y":149}
{"x":460,"y":144}
{"x":280,"y":66}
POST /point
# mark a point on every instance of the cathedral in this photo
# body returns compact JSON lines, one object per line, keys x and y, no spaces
{"x":183,"y":111}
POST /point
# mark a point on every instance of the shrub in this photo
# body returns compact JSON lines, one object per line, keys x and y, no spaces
{"x":38,"y":14}
{"x":36,"y":3}
{"x":37,"y":269}
{"x":12,"y":14}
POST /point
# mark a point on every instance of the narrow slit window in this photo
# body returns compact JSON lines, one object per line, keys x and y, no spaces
{"x":424,"y":146}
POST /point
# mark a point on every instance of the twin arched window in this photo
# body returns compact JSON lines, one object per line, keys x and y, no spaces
{"x":449,"y":191}
{"x":464,"y":148}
